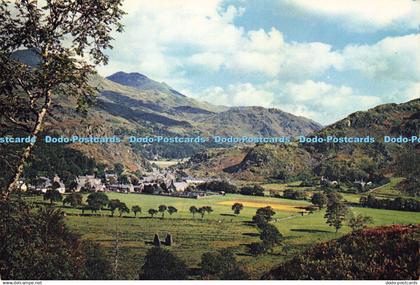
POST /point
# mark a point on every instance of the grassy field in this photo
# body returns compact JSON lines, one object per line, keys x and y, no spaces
{"x":221,"y":229}
{"x":167,"y":163}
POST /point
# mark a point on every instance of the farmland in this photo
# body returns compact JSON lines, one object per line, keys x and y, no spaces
{"x":217,"y":230}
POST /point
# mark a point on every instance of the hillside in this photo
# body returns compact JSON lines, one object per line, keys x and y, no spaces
{"x":350,"y":161}
{"x":133,"y":104}
{"x":252,"y":121}
{"x":382,"y":253}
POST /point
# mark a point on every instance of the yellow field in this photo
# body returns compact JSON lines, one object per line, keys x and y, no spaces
{"x":166,"y":163}
{"x":260,"y":204}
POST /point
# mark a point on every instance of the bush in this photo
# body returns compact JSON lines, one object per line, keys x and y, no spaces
{"x":256,"y":248}
{"x":221,"y":265}
{"x":36,"y":244}
{"x":384,"y":253}
{"x":255,"y":190}
{"x":401,"y":204}
{"x":161,"y":264}
{"x":218,"y":186}
{"x":294,"y":194}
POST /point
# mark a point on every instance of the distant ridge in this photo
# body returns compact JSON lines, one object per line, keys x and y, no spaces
{"x":140,"y":81}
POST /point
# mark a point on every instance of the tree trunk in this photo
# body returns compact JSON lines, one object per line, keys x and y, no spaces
{"x":39,"y":124}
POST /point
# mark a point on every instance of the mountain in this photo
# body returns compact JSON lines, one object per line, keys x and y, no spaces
{"x":337,"y":161}
{"x":142,"y":82}
{"x":133,"y":104}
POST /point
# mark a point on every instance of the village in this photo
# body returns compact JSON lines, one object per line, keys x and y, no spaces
{"x":165,"y":182}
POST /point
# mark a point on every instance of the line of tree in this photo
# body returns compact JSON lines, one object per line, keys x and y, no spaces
{"x":202,"y":211}
{"x":399,"y":203}
{"x":294,"y":194}
{"x":218,"y":186}
{"x":162,"y":209}
{"x":256,"y":190}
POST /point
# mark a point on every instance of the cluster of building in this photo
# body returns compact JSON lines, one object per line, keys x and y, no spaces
{"x":156,"y":182}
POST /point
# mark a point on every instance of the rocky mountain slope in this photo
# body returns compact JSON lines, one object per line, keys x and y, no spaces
{"x":133,"y":104}
{"x":351,"y":161}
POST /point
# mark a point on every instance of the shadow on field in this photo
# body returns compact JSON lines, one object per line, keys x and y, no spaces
{"x":228,"y":215}
{"x":249,"y":224}
{"x":251,"y":234}
{"x":308,"y":231}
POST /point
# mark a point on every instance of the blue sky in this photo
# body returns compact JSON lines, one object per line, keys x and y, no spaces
{"x":322,"y":59}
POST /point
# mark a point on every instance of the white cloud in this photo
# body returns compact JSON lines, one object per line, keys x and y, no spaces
{"x":407,"y":93}
{"x":211,"y":60}
{"x":172,"y":40}
{"x":362,"y":15}
{"x":320,"y":101}
{"x":244,"y":94}
{"x":396,"y":58}
{"x":162,"y":37}
{"x":323,"y":102}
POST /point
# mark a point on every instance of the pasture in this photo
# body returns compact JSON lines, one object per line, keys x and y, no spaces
{"x":217,"y":230}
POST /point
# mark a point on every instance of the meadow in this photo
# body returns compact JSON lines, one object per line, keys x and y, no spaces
{"x":217,"y":230}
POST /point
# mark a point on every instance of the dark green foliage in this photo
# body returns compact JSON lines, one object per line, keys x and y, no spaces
{"x":256,"y":248}
{"x":152,"y":212}
{"x":203,"y":210}
{"x":259,"y":221}
{"x":294,"y":194}
{"x":193,"y":210}
{"x":136,"y":209}
{"x":172,"y":209}
{"x":161,"y":264}
{"x":73,"y":199}
{"x":98,"y":266}
{"x":221,"y":265}
{"x":116,"y":204}
{"x":97,"y":200}
{"x":359,"y":222}
{"x":270,"y":236}
{"x":53,"y":196}
{"x":237,"y":208}
{"x":410,"y":186}
{"x":400,"y":204}
{"x":218,"y":186}
{"x":36,"y":244}
{"x":384,"y":253}
{"x":267,"y":213}
{"x":162,"y":209}
{"x":113,"y":205}
{"x":122,"y":208}
{"x":68,"y":39}
{"x":319,"y":200}
{"x":255,"y":190}
{"x":118,"y":168}
{"x":337,"y":211}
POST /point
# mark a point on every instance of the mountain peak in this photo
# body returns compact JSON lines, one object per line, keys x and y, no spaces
{"x":140,"y":81}
{"x":133,"y":79}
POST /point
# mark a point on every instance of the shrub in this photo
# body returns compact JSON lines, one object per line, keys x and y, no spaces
{"x":255,"y":190}
{"x":384,"y":253}
{"x":218,"y":186}
{"x":161,"y":264}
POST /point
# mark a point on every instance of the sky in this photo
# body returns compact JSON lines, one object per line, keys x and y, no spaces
{"x":322,"y":59}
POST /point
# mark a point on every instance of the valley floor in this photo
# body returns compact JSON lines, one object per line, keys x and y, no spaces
{"x":218,"y":230}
